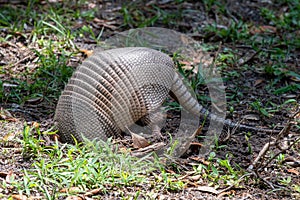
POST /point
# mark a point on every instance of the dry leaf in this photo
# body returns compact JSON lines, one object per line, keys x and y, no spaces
{"x":146,"y":150}
{"x":88,"y":53}
{"x":258,"y":82}
{"x":289,"y":96}
{"x":35,"y":125}
{"x":54,"y":137}
{"x":225,"y":193}
{"x":71,"y":190}
{"x":19,"y":197}
{"x":10,"y":176}
{"x":187,"y":66}
{"x":296,"y":79}
{"x":124,"y":150}
{"x":170,"y":171}
{"x":74,"y":198}
{"x":9,"y":136}
{"x":200,"y":160}
{"x":139,"y":141}
{"x":270,"y":29}
{"x":92,"y":5}
{"x":207,"y":189}
{"x":196,"y":144}
{"x":34,"y":100}
{"x":93,"y":192}
{"x":252,"y":117}
{"x":195,"y":177}
{"x":293,"y":171}
{"x":263,"y":29}
{"x":6,"y":115}
{"x":105,"y":23}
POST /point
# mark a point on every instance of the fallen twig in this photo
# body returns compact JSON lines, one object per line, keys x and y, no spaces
{"x":266,"y":147}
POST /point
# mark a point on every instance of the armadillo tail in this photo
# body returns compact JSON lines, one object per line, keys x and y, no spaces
{"x":181,"y":93}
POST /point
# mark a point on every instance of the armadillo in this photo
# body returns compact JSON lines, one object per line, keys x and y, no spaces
{"x":113,"y":89}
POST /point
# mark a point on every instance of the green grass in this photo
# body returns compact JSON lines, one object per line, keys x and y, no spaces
{"x":104,"y":166}
{"x":94,"y":165}
{"x":290,"y":20}
{"x":137,"y":15}
{"x":46,"y":82}
{"x":52,"y":72}
{"x":61,"y":170}
{"x":273,"y":51}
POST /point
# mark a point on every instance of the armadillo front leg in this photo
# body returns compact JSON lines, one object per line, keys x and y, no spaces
{"x":157,"y":122}
{"x":154,"y":122}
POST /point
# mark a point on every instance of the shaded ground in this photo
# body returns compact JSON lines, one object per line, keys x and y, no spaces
{"x":245,"y":83}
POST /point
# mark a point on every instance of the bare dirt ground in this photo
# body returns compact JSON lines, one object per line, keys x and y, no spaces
{"x":252,"y":83}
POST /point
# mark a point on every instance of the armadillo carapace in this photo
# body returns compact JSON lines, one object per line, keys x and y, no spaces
{"x":111,"y":90}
